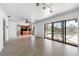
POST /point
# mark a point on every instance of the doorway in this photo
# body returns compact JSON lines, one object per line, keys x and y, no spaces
{"x":24,"y":30}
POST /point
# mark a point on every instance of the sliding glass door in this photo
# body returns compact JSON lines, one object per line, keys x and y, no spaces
{"x":72,"y":32}
{"x":65,"y":31}
{"x":48,"y":32}
{"x":58,"y":31}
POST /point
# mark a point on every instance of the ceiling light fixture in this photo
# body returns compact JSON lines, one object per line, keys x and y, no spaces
{"x":50,"y":11}
{"x":44,"y":7}
{"x":37,"y":4}
{"x":27,"y":21}
{"x":47,"y":7}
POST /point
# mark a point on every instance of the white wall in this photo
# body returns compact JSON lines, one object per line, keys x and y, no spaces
{"x":12,"y":30}
{"x":6,"y":28}
{"x":2,"y":16}
{"x":1,"y":31}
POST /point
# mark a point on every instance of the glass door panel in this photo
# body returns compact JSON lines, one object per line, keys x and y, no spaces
{"x":72,"y":32}
{"x":57,"y":31}
{"x":48,"y":31}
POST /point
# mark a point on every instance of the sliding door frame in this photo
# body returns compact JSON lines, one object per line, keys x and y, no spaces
{"x":61,"y":29}
{"x":64,"y":32}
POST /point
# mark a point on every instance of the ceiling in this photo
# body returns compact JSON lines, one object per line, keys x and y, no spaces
{"x":23,"y":11}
